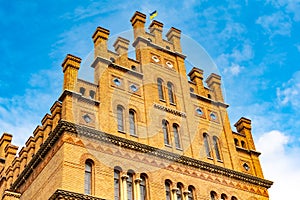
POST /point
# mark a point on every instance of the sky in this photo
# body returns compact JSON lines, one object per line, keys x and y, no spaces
{"x":254,"y":44}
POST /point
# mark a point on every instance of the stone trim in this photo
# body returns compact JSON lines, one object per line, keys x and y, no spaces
{"x":217,"y":103}
{"x":169,"y":110}
{"x":79,"y":97}
{"x":78,"y":130}
{"x":11,"y":194}
{"x":68,"y":195}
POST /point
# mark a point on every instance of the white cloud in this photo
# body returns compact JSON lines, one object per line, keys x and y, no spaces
{"x":289,"y":93}
{"x":20,"y":114}
{"x":280,"y":164}
{"x":298,"y":47}
{"x":234,"y":69}
{"x":275,"y":24}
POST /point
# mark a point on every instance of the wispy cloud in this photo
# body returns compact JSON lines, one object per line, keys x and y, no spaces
{"x":275,"y":24}
{"x":289,"y":92}
{"x":290,"y":6}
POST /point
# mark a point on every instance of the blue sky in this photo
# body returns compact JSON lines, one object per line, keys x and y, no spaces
{"x":255,"y":45}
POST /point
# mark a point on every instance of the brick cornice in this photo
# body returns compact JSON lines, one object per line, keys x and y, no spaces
{"x":78,"y":130}
{"x":68,"y":195}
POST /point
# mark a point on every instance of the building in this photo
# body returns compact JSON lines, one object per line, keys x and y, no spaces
{"x":144,"y":129}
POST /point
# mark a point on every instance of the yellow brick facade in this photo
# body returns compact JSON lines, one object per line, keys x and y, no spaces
{"x":143,"y":130}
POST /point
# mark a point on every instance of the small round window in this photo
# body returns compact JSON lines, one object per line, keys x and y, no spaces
{"x":213,"y":116}
{"x":246,"y":166}
{"x":155,"y":58}
{"x":117,"y":81}
{"x":169,"y":64}
{"x":87,"y":118}
{"x":133,"y":88}
{"x":199,"y":111}
{"x":133,"y":67}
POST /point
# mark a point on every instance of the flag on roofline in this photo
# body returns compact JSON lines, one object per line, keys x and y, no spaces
{"x":153,"y":14}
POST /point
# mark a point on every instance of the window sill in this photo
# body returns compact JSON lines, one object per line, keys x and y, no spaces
{"x":210,"y":158}
{"x":168,"y":145}
{"x":179,"y":149}
{"x":172,"y":104}
{"x":221,"y":161}
{"x":134,"y":135}
{"x":121,"y":131}
{"x":162,"y":100}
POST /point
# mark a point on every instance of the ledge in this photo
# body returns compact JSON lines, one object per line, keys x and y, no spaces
{"x":78,"y":96}
{"x":217,"y":103}
{"x":157,"y":47}
{"x":170,"y":110}
{"x":68,"y":195}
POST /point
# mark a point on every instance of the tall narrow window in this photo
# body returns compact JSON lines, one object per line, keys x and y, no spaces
{"x":191,"y":192}
{"x":206,"y":145}
{"x":117,"y":184}
{"x":223,"y":196}
{"x":132,"y":122}
{"x":160,"y":89}
{"x":179,"y":191}
{"x":130,"y":186}
{"x":170,"y":92}
{"x":165,"y":126}
{"x":120,"y":116}
{"x":168,"y":190}
{"x":176,"y":136}
{"x":143,"y":189}
{"x":213,"y":195}
{"x":88,"y":178}
{"x":82,"y":90}
{"x":216,"y":147}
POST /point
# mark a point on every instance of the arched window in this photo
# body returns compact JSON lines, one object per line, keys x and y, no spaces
{"x":191,"y":191}
{"x":92,"y":94}
{"x":165,"y":126}
{"x":213,"y":195}
{"x":132,"y":124}
{"x":160,"y":89}
{"x":82,"y":90}
{"x":236,"y":142}
{"x":179,"y":191}
{"x":233,"y":198}
{"x":176,"y":136}
{"x":168,"y":189}
{"x":206,"y":144}
{"x":243,"y":144}
{"x":130,"y":186}
{"x":88,"y":177}
{"x":120,"y":116}
{"x":143,"y":188}
{"x":171,"y":92}
{"x":216,"y":147}
{"x":117,"y":184}
{"x":223,"y":196}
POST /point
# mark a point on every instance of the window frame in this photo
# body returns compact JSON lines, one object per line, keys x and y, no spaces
{"x":207,"y":145}
{"x":216,"y":145}
{"x":132,"y":122}
{"x":176,"y":136}
{"x":120,"y":118}
{"x":166,"y":132}
{"x":117,"y":183}
{"x":88,"y":177}
{"x":170,"y":87}
{"x":160,"y":88}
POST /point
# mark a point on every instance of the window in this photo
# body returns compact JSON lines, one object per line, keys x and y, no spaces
{"x":130,"y":186}
{"x":168,"y":190}
{"x":191,"y":190}
{"x":176,"y":136}
{"x":233,"y":198}
{"x":236,"y":142}
{"x":165,"y":126}
{"x":88,"y":178}
{"x":223,"y":196}
{"x":216,"y":147}
{"x":206,"y":145}
{"x":117,"y":184}
{"x":170,"y":92}
{"x":160,"y":89}
{"x":243,"y":144}
{"x":132,"y":122}
{"x":92,"y":94}
{"x":213,"y":195}
{"x":120,"y":117}
{"x":82,"y":91}
{"x":179,"y":191}
{"x":143,"y":189}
